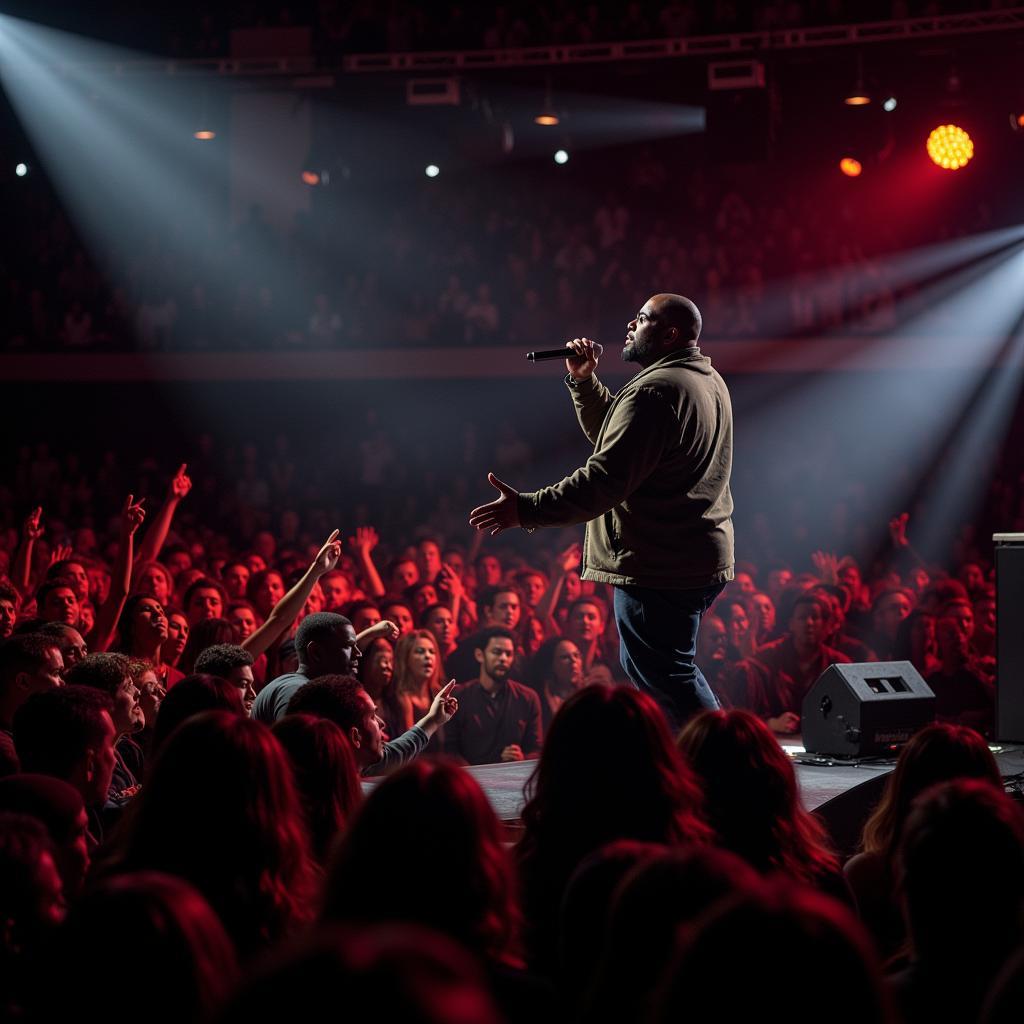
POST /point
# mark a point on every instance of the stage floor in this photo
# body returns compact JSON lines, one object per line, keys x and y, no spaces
{"x":819,"y":784}
{"x":842,"y":794}
{"x":503,"y":783}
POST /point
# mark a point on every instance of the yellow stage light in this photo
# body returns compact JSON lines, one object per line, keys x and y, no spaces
{"x":950,"y":147}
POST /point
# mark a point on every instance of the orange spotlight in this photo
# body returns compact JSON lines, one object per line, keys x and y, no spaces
{"x":857,"y":99}
{"x":850,"y":166}
{"x":547,"y":118}
{"x":311,"y":178}
{"x":950,"y":147}
{"x":1020,"y":120}
{"x":204,"y":135}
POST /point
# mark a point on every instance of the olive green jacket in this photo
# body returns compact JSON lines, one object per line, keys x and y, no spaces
{"x":655,"y":493}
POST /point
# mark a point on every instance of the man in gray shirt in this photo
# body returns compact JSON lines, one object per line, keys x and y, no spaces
{"x":326,"y":644}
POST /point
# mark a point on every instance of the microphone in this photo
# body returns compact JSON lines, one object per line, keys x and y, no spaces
{"x":561,"y":353}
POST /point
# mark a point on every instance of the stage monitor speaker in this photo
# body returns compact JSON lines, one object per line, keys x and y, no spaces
{"x":865,"y":710}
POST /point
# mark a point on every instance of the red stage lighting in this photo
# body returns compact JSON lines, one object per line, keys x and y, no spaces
{"x":950,"y":147}
{"x":310,"y":178}
{"x":850,"y":166}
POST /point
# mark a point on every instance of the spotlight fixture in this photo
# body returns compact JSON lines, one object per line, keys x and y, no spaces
{"x":310,"y":178}
{"x":889,"y":105}
{"x":858,"y":95}
{"x":204,"y":130}
{"x":1017,"y":122}
{"x":950,"y":147}
{"x":850,"y":166}
{"x":548,"y":116}
{"x":431,"y":170}
{"x":561,"y":156}
{"x":21,"y":170}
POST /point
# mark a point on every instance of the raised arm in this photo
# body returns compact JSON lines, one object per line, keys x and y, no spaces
{"x":452,"y":592}
{"x":384,"y":628}
{"x":132,"y":515}
{"x":285,"y":612}
{"x":362,"y":545}
{"x":590,"y":397}
{"x":566,"y":561}
{"x":904,"y":556}
{"x":21,"y":566}
{"x":153,"y":542}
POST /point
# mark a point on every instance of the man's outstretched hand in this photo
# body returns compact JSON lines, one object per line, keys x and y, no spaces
{"x":500,"y":514}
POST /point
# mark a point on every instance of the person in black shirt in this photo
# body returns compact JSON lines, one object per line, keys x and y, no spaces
{"x":499,"y":719}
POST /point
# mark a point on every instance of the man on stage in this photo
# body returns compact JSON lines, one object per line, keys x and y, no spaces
{"x":654,"y":495}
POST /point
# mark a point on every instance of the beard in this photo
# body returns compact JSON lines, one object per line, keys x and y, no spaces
{"x":635,"y":351}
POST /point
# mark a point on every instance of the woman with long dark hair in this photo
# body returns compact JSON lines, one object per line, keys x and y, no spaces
{"x":376,"y":673}
{"x":220,"y":810}
{"x":205,"y":633}
{"x":938,"y":753}
{"x":735,"y":961}
{"x":325,"y":774}
{"x":437,"y":812}
{"x":183,"y":965}
{"x":608,"y":771}
{"x":143,"y":634}
{"x":752,"y":801}
{"x":555,"y":672}
{"x":195,"y":694}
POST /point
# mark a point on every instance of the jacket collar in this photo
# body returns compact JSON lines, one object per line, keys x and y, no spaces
{"x":689,"y":357}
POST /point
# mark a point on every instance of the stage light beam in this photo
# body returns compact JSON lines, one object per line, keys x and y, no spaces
{"x":950,"y":147}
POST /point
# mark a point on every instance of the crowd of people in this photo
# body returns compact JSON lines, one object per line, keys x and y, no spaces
{"x":235,"y":741}
{"x":186,"y":722}
{"x":490,"y":259}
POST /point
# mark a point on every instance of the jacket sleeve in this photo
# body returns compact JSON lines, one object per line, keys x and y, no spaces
{"x":400,"y":751}
{"x":591,"y":400}
{"x":631,"y":448}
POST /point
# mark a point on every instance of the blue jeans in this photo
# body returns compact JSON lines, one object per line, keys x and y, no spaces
{"x":658,"y":643}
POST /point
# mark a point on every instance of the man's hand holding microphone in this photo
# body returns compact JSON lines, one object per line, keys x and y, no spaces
{"x":582,"y":365}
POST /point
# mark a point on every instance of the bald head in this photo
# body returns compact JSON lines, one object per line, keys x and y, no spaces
{"x":665,"y":324}
{"x":678,"y":311}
